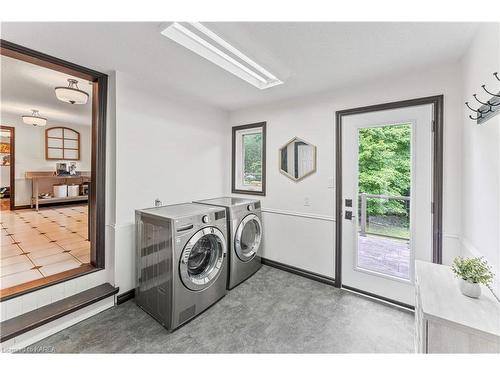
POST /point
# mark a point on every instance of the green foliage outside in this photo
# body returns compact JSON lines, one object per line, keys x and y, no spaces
{"x":252,"y":144}
{"x":384,"y":167}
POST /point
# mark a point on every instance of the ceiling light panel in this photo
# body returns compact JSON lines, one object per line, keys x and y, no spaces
{"x":210,"y":46}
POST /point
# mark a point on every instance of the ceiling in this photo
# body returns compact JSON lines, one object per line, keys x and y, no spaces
{"x":26,"y":86}
{"x":310,"y":57}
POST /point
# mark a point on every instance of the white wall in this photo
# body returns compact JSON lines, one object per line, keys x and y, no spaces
{"x":481,"y":152}
{"x":303,"y":236}
{"x":30,"y":152}
{"x":166,"y":148}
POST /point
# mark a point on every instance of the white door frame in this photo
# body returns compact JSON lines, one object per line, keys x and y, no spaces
{"x":437,"y":177}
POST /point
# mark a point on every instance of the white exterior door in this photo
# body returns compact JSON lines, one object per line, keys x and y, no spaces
{"x":387,"y":199}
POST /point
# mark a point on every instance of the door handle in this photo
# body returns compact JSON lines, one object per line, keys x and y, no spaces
{"x":348,"y":215}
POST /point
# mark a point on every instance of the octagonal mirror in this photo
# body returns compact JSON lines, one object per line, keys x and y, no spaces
{"x":297,"y":159}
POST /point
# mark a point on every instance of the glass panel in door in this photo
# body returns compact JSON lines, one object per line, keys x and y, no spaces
{"x":384,"y":201}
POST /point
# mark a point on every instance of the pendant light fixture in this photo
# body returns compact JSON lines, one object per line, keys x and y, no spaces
{"x":35,"y":119}
{"x":72,"y":94}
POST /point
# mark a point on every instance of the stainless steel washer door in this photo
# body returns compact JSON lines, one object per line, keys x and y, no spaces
{"x":202,"y":259}
{"x":248,"y":237}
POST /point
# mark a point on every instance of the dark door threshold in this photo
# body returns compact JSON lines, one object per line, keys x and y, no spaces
{"x":45,"y":314}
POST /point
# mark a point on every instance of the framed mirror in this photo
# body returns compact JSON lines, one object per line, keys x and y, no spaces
{"x":297,"y":159}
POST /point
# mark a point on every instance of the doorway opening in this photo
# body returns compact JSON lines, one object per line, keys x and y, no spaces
{"x":54,"y":228}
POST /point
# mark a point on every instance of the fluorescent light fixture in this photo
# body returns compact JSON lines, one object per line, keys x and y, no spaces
{"x":218,"y":51}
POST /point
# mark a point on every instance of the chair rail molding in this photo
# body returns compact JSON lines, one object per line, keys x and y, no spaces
{"x":298,"y":214}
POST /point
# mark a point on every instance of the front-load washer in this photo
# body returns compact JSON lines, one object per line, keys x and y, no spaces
{"x":244,"y":222}
{"x":181,"y":261}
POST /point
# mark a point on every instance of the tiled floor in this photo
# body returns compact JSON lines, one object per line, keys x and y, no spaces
{"x":385,"y":255}
{"x":40,"y":244}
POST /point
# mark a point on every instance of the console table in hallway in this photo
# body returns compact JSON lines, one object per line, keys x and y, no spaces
{"x":47,"y":177}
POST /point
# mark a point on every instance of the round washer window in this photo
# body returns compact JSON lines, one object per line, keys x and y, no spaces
{"x":248,"y":238}
{"x":202,"y":258}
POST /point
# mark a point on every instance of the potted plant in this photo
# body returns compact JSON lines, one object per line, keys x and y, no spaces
{"x":472,"y":273}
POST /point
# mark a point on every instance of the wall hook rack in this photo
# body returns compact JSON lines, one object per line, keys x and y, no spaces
{"x":488,"y":109}
{"x":490,"y":93}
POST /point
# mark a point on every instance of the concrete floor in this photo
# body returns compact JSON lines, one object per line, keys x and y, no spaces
{"x":272,"y":312}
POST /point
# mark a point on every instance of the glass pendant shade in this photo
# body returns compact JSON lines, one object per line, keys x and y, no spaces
{"x":71,"y":94}
{"x":34,"y":119}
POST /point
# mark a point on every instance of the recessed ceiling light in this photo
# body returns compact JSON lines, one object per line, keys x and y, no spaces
{"x":34,"y":119}
{"x":72,"y":94}
{"x":218,"y":51}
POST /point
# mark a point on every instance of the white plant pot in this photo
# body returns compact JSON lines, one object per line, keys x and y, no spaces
{"x":469,"y":289}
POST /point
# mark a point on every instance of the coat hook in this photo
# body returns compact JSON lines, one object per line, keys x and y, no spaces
{"x":468,"y":106}
{"x":487,"y":103}
{"x":496,"y":75}
{"x":477,"y":118}
{"x":498,"y":96}
{"x":478,"y":110}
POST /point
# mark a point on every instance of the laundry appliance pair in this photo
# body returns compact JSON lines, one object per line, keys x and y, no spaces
{"x":188,"y":254}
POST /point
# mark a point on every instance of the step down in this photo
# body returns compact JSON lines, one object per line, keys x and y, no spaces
{"x":45,"y":314}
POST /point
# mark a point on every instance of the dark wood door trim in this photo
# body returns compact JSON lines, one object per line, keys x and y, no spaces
{"x":97,"y":194}
{"x":12,"y":168}
{"x":437,"y":189}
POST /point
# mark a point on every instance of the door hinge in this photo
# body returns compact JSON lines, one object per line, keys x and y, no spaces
{"x":433,"y":126}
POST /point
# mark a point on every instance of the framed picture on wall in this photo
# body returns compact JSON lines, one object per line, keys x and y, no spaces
{"x":249,"y":159}
{"x":5,"y":148}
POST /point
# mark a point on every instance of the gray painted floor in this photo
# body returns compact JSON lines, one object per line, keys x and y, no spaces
{"x":272,"y":312}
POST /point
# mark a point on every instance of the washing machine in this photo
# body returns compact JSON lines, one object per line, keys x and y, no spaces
{"x":244,"y":222}
{"x":181,"y":261}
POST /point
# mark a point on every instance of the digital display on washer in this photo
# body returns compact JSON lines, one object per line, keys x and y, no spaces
{"x":220,"y":215}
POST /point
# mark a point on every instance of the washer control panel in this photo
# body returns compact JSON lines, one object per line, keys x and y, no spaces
{"x":250,"y":207}
{"x":205,"y":219}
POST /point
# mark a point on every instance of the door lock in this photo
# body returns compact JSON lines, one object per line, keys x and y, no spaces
{"x":348,"y":215}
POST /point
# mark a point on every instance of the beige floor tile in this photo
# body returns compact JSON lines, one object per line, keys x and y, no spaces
{"x":49,"y":227}
{"x":32,"y":240}
{"x":13,"y":260}
{"x":7,"y":241}
{"x":84,"y":258}
{"x":52,"y":259}
{"x":18,"y":228}
{"x":72,"y":240}
{"x":16,"y":267}
{"x":9,"y":251}
{"x":81,"y":251}
{"x":59,"y":267}
{"x":43,"y":252}
{"x":59,"y":236}
{"x":19,"y":278}
{"x":32,"y":236}
{"x":31,"y":247}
